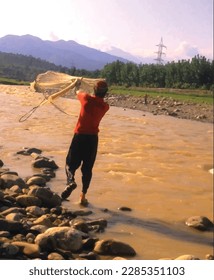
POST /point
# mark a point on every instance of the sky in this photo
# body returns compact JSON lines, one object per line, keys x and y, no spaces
{"x":135,"y":26}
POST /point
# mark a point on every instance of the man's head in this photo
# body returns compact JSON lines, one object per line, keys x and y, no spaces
{"x":100,"y":89}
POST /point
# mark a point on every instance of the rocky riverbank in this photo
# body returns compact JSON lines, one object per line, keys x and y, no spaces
{"x":33,"y":218}
{"x":164,"y":106}
{"x":34,"y":224}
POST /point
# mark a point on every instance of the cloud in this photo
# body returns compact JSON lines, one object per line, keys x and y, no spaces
{"x":185,"y":49}
{"x":53,"y":36}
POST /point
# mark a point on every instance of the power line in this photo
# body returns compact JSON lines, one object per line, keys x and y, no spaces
{"x":160,"y":52}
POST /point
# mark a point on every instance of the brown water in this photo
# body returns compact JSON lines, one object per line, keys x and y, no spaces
{"x":156,"y":165}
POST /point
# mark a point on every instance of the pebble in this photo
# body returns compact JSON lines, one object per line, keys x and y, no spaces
{"x":124,"y":208}
{"x":35,"y":225}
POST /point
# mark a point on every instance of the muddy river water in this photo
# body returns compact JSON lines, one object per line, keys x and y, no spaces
{"x":158,"y":166}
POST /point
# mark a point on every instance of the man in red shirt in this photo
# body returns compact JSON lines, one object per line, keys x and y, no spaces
{"x":83,"y":148}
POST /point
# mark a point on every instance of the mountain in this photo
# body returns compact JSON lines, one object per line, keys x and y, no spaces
{"x":65,"y":53}
{"x":118,"y":52}
{"x":136,"y":59}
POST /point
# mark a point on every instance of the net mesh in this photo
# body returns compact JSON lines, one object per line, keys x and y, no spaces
{"x":52,"y":82}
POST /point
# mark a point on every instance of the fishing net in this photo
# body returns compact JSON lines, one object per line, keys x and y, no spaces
{"x":54,"y":85}
{"x":52,"y":82}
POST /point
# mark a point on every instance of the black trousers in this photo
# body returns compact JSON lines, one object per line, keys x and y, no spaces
{"x":83,"y":150}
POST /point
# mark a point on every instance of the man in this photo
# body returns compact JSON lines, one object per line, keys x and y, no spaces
{"x":83,"y":148}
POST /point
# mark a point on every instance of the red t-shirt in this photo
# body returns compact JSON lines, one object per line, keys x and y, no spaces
{"x":93,"y":108}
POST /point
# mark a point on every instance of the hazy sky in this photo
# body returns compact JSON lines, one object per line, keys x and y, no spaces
{"x":135,"y":26}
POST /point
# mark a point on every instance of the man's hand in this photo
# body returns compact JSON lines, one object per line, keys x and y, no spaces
{"x":77,"y":85}
{"x":78,"y":82}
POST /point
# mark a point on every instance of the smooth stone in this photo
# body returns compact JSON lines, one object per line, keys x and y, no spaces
{"x":35,"y":211}
{"x":187,"y":257}
{"x":49,"y":199}
{"x":4,"y":233}
{"x":64,"y":238}
{"x":11,"y":249}
{"x":14,"y":217}
{"x":13,"y":210}
{"x":36,"y":180}
{"x":26,"y":200}
{"x":124,"y":208}
{"x":44,"y":163}
{"x":55,"y":256}
{"x":43,"y":220}
{"x":11,"y":180}
{"x":200,"y":222}
{"x":114,"y":247}
{"x":30,"y":250}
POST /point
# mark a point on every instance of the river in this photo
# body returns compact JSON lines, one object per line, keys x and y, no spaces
{"x":158,"y":166}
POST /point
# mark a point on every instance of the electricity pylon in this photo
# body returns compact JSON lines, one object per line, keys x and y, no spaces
{"x":160,"y":52}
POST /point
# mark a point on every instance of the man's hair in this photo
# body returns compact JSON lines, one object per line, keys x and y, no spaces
{"x":100,"y":89}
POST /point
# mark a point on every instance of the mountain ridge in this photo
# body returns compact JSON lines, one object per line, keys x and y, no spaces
{"x":65,"y":53}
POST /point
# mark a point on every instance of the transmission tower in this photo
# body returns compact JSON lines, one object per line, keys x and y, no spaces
{"x":160,"y":52}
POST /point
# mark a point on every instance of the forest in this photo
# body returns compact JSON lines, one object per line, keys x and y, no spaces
{"x":185,"y":74}
{"x":196,"y":73}
{"x":23,"y":68}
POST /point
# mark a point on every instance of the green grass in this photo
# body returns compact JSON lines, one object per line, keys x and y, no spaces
{"x":195,"y":96}
{"x":7,"y":81}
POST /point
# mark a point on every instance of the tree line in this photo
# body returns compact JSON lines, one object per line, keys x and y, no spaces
{"x":185,"y":74}
{"x":195,"y":73}
{"x":23,"y":68}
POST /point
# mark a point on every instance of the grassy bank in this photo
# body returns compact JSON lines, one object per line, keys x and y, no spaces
{"x":7,"y":81}
{"x":196,"y":96}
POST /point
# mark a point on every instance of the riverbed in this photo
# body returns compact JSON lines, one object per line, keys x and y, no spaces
{"x":158,"y":166}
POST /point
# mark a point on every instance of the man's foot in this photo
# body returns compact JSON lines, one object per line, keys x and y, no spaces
{"x":68,"y":190}
{"x":83,"y":201}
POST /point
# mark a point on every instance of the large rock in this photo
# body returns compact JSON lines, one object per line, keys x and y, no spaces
{"x":114,"y":247}
{"x":13,"y":210}
{"x":100,"y":222}
{"x":11,"y":226}
{"x":11,"y":180}
{"x":65,"y":238}
{"x":14,"y":217}
{"x":30,"y":250}
{"x":43,"y":220}
{"x":86,"y":226}
{"x":16,"y":189}
{"x":39,"y":228}
{"x":10,"y":250}
{"x":200,"y":222}
{"x":44,"y":163}
{"x":28,"y":151}
{"x":26,"y":200}
{"x":36,"y":180}
{"x":49,"y":199}
{"x":35,"y":211}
